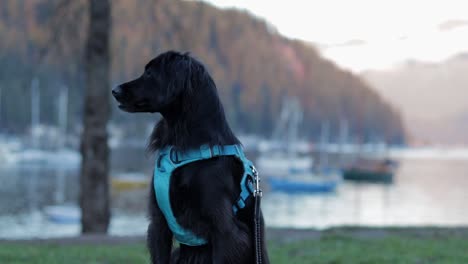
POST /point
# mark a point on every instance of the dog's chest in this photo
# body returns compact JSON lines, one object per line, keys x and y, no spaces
{"x":163,"y":184}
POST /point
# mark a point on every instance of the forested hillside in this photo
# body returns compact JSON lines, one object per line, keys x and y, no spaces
{"x":253,"y":66}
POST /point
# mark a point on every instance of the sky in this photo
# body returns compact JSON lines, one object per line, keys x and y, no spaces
{"x":369,"y":34}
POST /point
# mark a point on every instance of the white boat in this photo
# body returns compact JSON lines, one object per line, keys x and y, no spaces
{"x":60,"y":158}
{"x":8,"y":147}
{"x":54,"y":153}
{"x":63,"y":214}
{"x":288,"y":165}
{"x":6,"y":156}
{"x":283,"y":154}
{"x":278,"y":164}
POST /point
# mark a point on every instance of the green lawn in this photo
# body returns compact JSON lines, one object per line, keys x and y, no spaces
{"x":329,"y":249}
{"x":392,"y":250}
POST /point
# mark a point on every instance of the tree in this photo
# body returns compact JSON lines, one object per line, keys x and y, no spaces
{"x":239,"y":51}
{"x":94,"y":198}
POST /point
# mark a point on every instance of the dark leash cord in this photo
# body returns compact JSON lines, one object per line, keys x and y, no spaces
{"x":257,"y":230}
{"x":257,"y":219}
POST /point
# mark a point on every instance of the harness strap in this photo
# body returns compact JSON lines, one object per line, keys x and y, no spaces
{"x":169,"y":159}
{"x":247,"y":187}
{"x":207,"y":152}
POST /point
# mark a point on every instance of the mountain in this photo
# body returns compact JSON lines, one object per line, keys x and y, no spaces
{"x":253,"y":66}
{"x":433,"y":97}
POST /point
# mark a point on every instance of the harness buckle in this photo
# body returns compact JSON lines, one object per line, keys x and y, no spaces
{"x":216,"y":151}
{"x":257,"y":191}
{"x":174,"y":157}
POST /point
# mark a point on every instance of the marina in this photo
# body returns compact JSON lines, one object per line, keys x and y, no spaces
{"x":416,"y":197}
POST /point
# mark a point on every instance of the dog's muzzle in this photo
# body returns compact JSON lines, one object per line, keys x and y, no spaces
{"x":117,"y":92}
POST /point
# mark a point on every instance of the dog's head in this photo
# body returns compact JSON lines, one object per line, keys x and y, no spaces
{"x":165,"y":78}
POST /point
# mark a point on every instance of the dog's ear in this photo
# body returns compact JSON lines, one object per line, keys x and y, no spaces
{"x":181,"y":82}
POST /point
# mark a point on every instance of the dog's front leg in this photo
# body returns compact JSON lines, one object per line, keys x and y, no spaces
{"x":159,"y":237}
{"x":231,"y":240}
{"x":265,"y":258}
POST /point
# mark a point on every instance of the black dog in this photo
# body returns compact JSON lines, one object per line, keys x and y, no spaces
{"x":202,"y":193}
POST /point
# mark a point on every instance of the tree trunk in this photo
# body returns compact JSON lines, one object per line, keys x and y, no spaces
{"x":94,"y":198}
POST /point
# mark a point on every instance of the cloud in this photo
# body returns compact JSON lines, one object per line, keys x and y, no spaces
{"x":452,"y":24}
{"x":345,"y":44}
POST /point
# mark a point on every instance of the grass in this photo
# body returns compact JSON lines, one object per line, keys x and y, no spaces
{"x":393,"y":249}
{"x":333,"y":248}
{"x":71,"y":254}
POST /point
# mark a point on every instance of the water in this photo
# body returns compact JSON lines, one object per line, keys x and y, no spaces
{"x":27,"y":190}
{"x":425,"y":192}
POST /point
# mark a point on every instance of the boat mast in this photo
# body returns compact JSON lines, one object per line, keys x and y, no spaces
{"x":294,"y":121}
{"x":62,"y":124}
{"x":281,"y":124}
{"x":63,"y":114}
{"x":343,"y":140}
{"x":324,"y":138}
{"x":35,"y":109}
{"x":0,"y":107}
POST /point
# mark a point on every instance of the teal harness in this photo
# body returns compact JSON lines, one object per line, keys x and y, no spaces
{"x":168,"y":160}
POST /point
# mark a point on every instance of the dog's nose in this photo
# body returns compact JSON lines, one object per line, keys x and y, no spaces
{"x":117,"y":92}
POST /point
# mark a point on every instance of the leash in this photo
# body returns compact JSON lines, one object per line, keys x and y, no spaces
{"x":257,"y":218}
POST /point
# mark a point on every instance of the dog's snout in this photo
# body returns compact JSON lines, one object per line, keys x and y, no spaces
{"x":117,"y":93}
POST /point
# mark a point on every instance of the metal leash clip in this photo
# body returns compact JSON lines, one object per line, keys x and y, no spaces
{"x":257,"y":190}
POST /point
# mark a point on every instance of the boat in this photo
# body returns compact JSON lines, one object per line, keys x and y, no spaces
{"x":130,"y":181}
{"x":376,"y":171}
{"x":294,"y":175}
{"x":47,"y":146}
{"x":303,"y":185}
{"x":6,"y":156}
{"x":63,"y":214}
{"x":59,"y":158}
{"x":8,"y":147}
{"x":286,"y":167}
{"x":278,"y":163}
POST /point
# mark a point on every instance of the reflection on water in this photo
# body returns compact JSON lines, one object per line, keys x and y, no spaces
{"x":424,"y":193}
{"x":25,"y":189}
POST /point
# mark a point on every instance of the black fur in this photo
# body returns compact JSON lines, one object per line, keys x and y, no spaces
{"x":202,"y":193}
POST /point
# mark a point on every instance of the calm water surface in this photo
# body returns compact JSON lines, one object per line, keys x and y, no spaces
{"x":425,"y":192}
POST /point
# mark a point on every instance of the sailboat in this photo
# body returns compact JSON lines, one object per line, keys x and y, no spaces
{"x":375,"y":167}
{"x":323,"y":167}
{"x":34,"y":155}
{"x":377,"y":171}
{"x":286,"y":168}
{"x":61,"y":212}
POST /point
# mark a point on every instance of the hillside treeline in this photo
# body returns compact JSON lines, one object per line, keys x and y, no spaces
{"x":254,"y":67}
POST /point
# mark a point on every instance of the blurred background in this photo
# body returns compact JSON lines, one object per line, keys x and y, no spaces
{"x":355,"y":112}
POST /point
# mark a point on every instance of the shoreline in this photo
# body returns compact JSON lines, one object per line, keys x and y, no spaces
{"x":280,"y":235}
